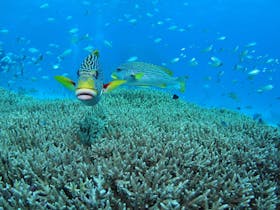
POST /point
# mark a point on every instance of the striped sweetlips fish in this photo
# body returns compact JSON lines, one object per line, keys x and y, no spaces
{"x":90,"y":86}
{"x":148,"y":75}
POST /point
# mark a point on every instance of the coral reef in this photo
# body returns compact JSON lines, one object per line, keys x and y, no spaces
{"x":137,"y":149}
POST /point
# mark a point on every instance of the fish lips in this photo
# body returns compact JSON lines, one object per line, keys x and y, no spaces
{"x":86,"y":94}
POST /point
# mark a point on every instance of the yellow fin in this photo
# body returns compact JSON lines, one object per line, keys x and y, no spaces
{"x":138,"y":76}
{"x":66,"y":82}
{"x":182,"y":83}
{"x":113,"y":85}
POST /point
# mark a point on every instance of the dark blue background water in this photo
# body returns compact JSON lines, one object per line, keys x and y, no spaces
{"x":131,"y":30}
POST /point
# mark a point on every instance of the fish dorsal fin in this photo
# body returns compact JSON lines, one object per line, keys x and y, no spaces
{"x":66,"y":82}
{"x":166,"y":70}
{"x":138,"y":76}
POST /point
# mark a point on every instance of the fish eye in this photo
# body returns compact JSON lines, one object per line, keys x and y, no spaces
{"x":118,"y":69}
{"x":96,"y":75}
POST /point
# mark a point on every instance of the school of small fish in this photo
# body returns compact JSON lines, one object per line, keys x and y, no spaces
{"x":30,"y":63}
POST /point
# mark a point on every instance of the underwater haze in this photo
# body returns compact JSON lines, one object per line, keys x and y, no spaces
{"x":228,"y":49}
{"x":153,"y":142}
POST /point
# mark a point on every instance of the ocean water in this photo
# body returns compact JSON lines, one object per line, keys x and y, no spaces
{"x":41,"y":39}
{"x":139,"y":148}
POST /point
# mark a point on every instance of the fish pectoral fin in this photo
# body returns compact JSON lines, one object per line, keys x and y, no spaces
{"x":66,"y":82}
{"x":138,"y":76}
{"x":112,"y":85}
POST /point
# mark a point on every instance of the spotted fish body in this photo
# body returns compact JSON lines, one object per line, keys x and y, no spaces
{"x":90,"y":80}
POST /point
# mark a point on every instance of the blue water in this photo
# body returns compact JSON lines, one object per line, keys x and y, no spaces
{"x":155,"y":32}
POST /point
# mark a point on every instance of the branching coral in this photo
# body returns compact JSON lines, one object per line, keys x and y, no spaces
{"x":138,"y":149}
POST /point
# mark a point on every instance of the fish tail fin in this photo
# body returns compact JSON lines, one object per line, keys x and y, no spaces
{"x":182,"y":83}
{"x":113,"y":85}
{"x":66,"y":82}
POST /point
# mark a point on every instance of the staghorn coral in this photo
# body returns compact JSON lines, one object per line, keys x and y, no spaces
{"x":137,"y":149}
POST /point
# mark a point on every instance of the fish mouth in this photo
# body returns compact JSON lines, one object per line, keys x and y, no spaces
{"x":86,"y":94}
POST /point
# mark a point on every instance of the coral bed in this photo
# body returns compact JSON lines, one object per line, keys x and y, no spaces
{"x":137,"y":149}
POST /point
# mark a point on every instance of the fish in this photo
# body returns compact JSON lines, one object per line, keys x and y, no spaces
{"x":251,"y":44}
{"x":33,"y":50}
{"x":56,"y":66}
{"x":233,"y":96}
{"x":265,"y":88}
{"x":236,"y":49}
{"x":175,"y":97}
{"x":221,"y":38}
{"x":244,"y":54}
{"x":39,"y":59}
{"x":215,"y":62}
{"x":270,"y":60}
{"x":172,"y":28}
{"x":108,"y":43}
{"x":64,"y":54}
{"x":175,"y":60}
{"x":193,"y":62}
{"x":73,"y":30}
{"x":157,"y":40}
{"x":238,"y":67}
{"x":131,"y":59}
{"x":90,"y":86}
{"x":148,"y":75}
{"x":254,"y":72}
{"x":133,"y":21}
{"x":208,"y":49}
{"x":44,"y":6}
{"x":89,"y":48}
